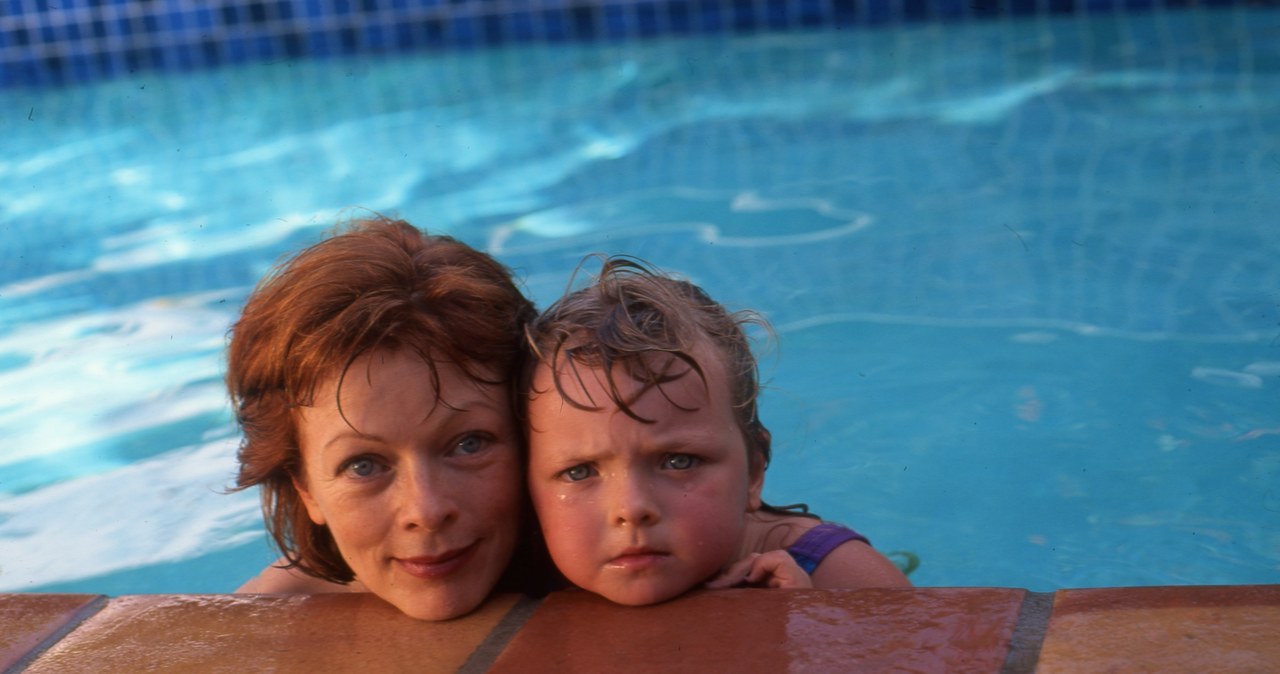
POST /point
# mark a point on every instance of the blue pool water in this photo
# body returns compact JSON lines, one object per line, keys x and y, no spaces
{"x":1025,"y":275}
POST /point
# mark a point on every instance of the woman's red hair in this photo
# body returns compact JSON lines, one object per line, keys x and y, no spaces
{"x":380,"y":284}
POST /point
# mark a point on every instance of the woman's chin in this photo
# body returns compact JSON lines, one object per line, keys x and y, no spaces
{"x":437,"y":608}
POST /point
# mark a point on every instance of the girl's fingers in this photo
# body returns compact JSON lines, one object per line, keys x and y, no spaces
{"x":735,"y":574}
{"x":775,"y":568}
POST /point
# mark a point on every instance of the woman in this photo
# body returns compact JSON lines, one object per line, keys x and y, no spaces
{"x":372,"y":377}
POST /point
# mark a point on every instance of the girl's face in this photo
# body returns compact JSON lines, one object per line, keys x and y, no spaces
{"x":420,"y":488}
{"x":640,"y":512}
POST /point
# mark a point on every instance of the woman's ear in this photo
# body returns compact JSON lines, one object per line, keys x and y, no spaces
{"x":308,"y":501}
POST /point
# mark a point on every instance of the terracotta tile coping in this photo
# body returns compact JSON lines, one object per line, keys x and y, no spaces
{"x":30,"y":623}
{"x":1164,"y":629}
{"x":1005,"y":630}
{"x":957,"y":630}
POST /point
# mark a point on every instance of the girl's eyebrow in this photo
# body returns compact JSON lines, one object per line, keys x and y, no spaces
{"x":683,"y":438}
{"x":576,"y":456}
{"x":670,"y":443}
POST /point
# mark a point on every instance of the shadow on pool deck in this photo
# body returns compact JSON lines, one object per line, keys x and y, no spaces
{"x":1145,"y":629}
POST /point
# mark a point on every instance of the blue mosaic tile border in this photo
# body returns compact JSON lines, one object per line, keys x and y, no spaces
{"x":56,"y":42}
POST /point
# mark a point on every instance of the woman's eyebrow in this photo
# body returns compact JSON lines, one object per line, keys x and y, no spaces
{"x":350,"y":434}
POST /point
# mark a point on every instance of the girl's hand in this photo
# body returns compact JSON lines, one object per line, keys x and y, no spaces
{"x":776,"y":568}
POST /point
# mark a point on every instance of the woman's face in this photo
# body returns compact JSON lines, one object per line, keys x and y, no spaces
{"x":419,"y":487}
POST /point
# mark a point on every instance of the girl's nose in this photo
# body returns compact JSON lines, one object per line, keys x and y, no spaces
{"x":425,"y":500}
{"x":634,"y":503}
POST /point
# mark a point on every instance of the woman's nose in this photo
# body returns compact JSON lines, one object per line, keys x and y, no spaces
{"x":426,"y":500}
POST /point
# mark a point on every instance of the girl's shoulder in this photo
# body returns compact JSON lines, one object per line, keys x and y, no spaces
{"x":767,"y":531}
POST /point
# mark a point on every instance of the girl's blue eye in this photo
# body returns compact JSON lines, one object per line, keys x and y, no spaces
{"x":680,"y":461}
{"x":579,"y":472}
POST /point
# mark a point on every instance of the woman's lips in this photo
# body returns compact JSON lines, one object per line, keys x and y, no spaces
{"x":437,"y":566}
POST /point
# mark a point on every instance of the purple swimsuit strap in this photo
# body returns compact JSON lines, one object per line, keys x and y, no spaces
{"x":814,"y":545}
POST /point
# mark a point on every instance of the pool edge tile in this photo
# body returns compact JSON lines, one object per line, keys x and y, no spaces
{"x":1168,"y":629}
{"x":928,"y":629}
{"x":1028,"y":633}
{"x":500,"y":636}
{"x":62,"y":621}
{"x":320,"y":632}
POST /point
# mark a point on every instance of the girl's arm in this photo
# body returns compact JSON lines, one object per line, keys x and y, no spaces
{"x":853,"y":564}
{"x":856,"y":564}
{"x":276,"y":579}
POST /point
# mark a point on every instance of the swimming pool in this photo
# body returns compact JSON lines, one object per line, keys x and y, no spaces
{"x":1024,"y":274}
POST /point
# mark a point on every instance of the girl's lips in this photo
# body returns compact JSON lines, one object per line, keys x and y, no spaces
{"x":637,"y":560}
{"x":437,"y":566}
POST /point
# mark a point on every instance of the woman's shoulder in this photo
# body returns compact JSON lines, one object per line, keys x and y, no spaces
{"x":280,"y":578}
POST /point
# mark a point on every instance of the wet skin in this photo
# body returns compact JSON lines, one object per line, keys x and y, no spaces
{"x":640,"y":512}
{"x":421,"y":494}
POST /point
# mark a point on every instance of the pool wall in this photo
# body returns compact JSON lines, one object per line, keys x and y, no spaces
{"x":52,"y":42}
{"x":1010,"y":631}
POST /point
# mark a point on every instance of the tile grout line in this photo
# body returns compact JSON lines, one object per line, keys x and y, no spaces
{"x":483,"y":657}
{"x":77,"y":619}
{"x":1028,"y":633}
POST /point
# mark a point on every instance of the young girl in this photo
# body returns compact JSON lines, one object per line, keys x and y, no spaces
{"x":647,"y":456}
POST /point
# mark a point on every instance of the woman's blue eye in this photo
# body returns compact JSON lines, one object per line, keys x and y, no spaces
{"x":578,"y":473}
{"x":680,"y":461}
{"x":362,"y":467}
{"x":469,"y":445}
